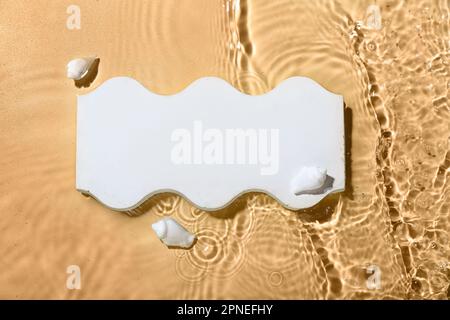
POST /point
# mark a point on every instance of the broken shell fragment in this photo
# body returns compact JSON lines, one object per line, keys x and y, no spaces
{"x":78,"y":68}
{"x":172,"y":233}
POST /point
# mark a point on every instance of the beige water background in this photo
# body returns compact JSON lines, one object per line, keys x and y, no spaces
{"x":395,"y":213}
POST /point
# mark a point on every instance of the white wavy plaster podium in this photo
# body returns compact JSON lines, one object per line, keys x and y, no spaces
{"x":125,"y":142}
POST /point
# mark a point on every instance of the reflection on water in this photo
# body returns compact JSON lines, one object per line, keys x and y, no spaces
{"x":389,"y":59}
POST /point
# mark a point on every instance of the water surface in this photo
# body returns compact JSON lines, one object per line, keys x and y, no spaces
{"x":394,"y":215}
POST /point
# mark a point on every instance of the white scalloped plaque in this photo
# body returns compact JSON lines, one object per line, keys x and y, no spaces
{"x":209,"y":142}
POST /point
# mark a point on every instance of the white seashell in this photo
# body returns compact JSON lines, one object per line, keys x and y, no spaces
{"x":308,"y":179}
{"x":172,"y":233}
{"x":78,"y":68}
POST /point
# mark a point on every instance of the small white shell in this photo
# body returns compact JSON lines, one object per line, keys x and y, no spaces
{"x":172,"y":233}
{"x":78,"y":68}
{"x":308,"y":179}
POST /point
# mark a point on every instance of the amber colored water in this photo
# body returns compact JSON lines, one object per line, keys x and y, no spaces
{"x":394,"y":214}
